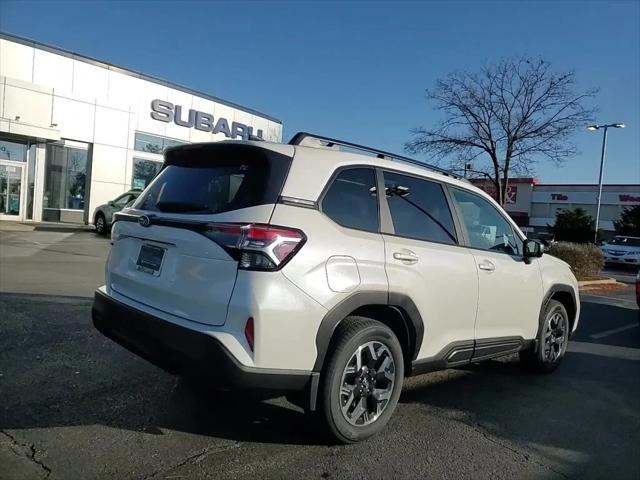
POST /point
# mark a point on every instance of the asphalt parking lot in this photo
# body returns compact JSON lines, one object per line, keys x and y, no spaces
{"x":75,"y":405}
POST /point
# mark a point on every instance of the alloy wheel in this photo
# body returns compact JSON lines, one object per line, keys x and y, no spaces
{"x":367,"y":383}
{"x":555,"y":336}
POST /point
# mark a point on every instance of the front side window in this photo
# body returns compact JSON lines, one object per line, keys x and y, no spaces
{"x":351,"y":200}
{"x":419,"y":209}
{"x":487,"y":228}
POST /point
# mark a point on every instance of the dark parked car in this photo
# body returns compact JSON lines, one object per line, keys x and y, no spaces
{"x":103,"y":216}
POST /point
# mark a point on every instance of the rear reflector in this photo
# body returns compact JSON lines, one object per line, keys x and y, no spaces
{"x":257,"y":246}
{"x":248,"y":332}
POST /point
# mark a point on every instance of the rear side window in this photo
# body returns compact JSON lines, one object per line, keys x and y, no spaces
{"x":351,"y":200}
{"x":209,"y":179}
{"x":419,"y":209}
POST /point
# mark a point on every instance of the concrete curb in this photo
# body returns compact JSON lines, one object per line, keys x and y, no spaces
{"x":15,"y":227}
{"x":9,"y":226}
{"x":607,"y":284}
{"x":595,"y":283}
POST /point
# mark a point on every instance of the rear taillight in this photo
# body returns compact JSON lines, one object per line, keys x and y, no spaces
{"x":257,"y":246}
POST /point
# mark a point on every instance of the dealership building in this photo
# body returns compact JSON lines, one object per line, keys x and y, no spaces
{"x":76,"y":132}
{"x":533,"y":205}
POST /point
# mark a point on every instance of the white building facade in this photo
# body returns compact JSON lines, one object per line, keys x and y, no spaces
{"x":548,"y":199}
{"x":534,"y":205}
{"x":76,"y":132}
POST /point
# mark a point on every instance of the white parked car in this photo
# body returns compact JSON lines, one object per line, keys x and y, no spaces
{"x":622,"y":250}
{"x":326,"y":274}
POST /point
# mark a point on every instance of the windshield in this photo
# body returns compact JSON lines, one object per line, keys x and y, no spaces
{"x":626,"y":241}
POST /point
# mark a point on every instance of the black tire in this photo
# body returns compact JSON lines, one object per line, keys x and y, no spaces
{"x":101,"y":224}
{"x":374,"y":377}
{"x":551,"y":342}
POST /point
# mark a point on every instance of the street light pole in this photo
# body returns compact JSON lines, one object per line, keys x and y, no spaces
{"x":602,"y":157}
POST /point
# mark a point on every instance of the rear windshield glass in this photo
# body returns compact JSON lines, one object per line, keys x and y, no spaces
{"x":210,"y":180}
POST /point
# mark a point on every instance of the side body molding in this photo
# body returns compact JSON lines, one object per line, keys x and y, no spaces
{"x":399,"y":301}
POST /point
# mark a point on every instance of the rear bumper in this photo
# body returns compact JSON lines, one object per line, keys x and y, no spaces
{"x":180,"y":350}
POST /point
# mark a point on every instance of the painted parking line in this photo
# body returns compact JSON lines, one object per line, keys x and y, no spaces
{"x":611,"y":351}
{"x":590,"y":295}
{"x":613,"y":331}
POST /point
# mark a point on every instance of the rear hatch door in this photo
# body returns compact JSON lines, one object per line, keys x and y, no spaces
{"x":163,"y":255}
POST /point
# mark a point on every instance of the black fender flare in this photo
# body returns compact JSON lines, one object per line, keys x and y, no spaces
{"x":359,"y":299}
{"x":556,"y":288}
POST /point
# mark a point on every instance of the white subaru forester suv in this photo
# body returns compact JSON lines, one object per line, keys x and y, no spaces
{"x":327,"y":271}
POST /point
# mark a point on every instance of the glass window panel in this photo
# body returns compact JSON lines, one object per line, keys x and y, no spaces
{"x":167,"y":142}
{"x":487,"y":228}
{"x":122,"y":200}
{"x":10,"y":189}
{"x":419,"y":209}
{"x":31,"y":176}
{"x":351,"y":200}
{"x":143,"y":172}
{"x":10,"y":150}
{"x":153,"y":143}
{"x":65,"y":177}
{"x":215,"y":179}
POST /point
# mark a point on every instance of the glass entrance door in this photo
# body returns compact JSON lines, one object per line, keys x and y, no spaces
{"x":10,"y":191}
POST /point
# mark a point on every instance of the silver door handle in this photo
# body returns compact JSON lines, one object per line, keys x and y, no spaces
{"x":406,"y":256}
{"x":487,"y":266}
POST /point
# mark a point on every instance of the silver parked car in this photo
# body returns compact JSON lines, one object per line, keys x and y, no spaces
{"x":622,"y":250}
{"x":103,"y":216}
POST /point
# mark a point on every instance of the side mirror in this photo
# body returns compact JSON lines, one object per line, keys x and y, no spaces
{"x":110,"y":203}
{"x":532,"y":249}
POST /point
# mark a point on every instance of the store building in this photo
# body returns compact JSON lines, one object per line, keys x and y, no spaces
{"x":533,"y":205}
{"x":76,"y":132}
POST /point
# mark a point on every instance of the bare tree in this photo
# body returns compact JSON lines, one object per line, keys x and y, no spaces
{"x":506,"y":117}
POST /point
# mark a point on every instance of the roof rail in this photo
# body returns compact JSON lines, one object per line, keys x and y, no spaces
{"x":312,"y":140}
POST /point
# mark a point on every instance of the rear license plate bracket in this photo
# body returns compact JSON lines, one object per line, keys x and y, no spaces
{"x":150,"y":259}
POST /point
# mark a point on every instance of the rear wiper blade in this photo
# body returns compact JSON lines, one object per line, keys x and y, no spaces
{"x":181,"y":207}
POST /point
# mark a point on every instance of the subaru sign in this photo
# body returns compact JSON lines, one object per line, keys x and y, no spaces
{"x":167,"y":112}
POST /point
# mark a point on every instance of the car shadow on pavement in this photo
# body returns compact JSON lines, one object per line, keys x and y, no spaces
{"x":585,"y":416}
{"x":58,"y":371}
{"x":247,"y":417}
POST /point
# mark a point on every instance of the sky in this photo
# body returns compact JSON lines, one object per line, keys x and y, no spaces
{"x":358,"y":70}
